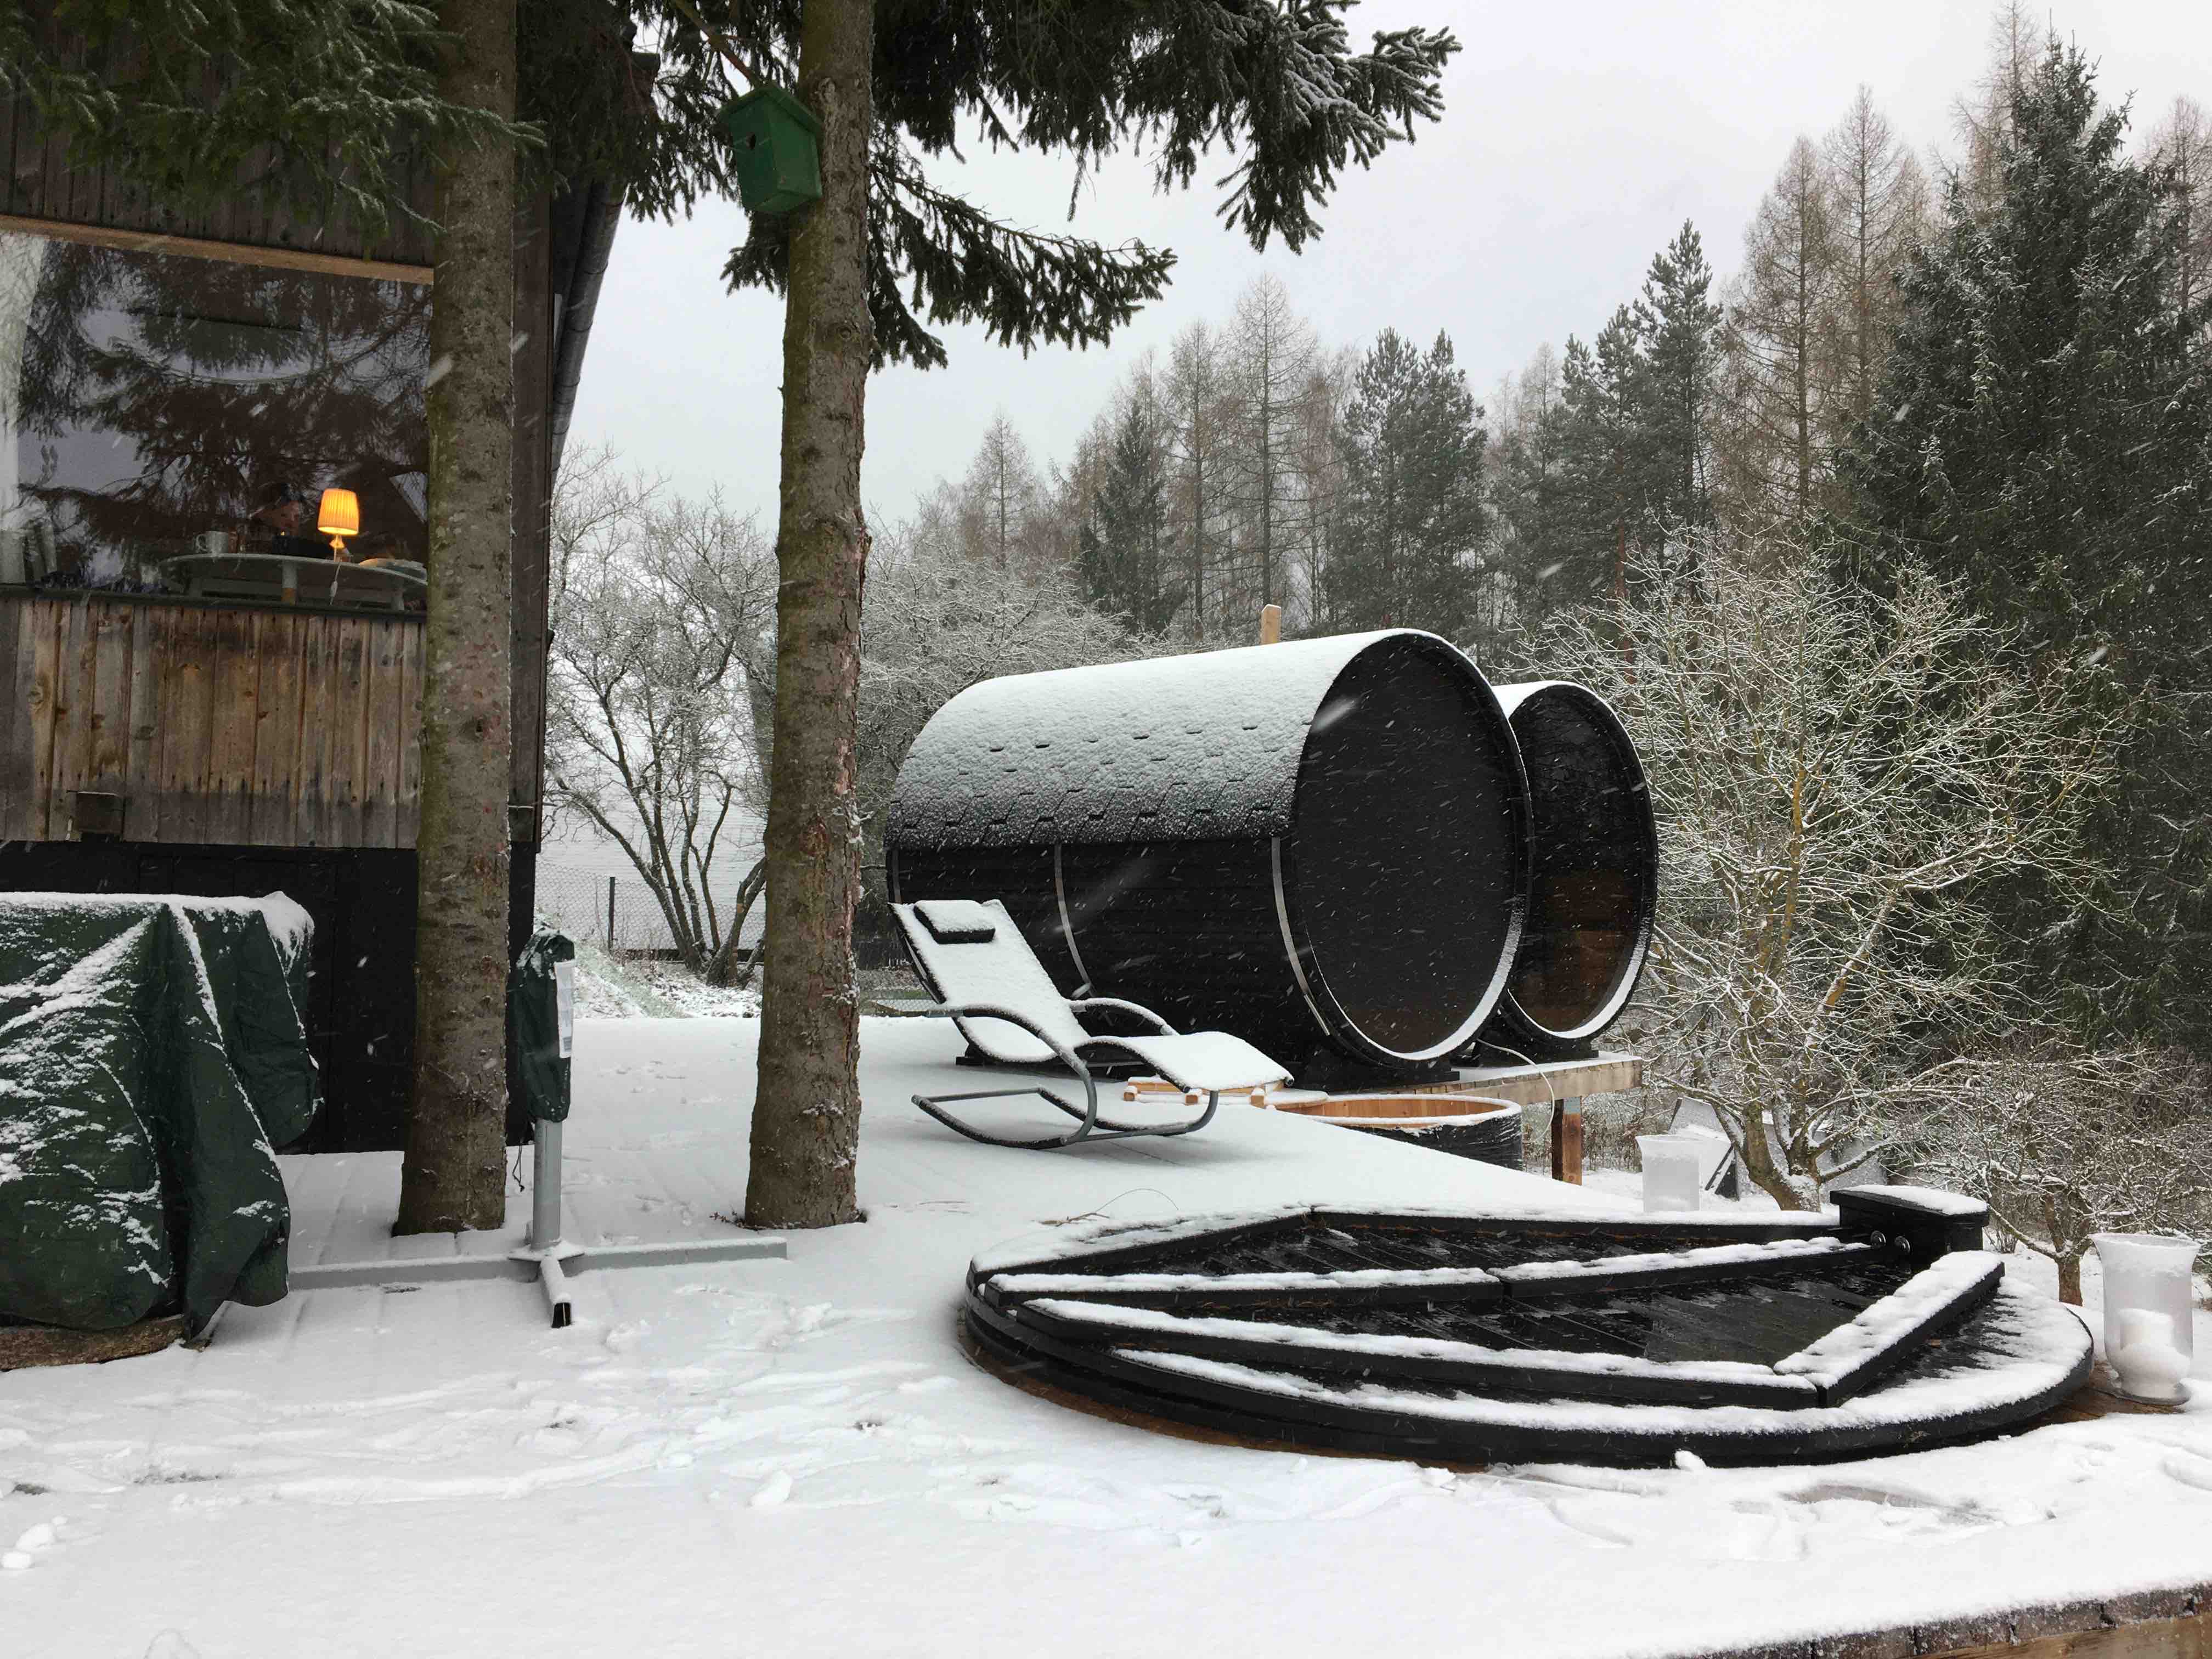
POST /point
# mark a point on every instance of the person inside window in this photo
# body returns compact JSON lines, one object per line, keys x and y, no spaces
{"x":288,"y":522}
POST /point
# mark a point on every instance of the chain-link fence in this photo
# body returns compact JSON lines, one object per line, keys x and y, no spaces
{"x":618,"y":913}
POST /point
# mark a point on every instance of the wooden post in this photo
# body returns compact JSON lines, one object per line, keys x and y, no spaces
{"x":1567,"y":1141}
{"x":1271,"y":624}
{"x":611,"y":915}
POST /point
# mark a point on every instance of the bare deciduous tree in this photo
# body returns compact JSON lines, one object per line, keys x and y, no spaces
{"x":1833,"y":776}
{"x":1195,"y":393}
{"x":2184,"y":142}
{"x":1880,"y":199}
{"x":659,"y":688}
{"x":1773,"y":459}
{"x":1271,"y":351}
{"x":935,"y":623}
{"x":2064,"y":1145}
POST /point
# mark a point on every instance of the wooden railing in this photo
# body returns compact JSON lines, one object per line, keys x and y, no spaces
{"x":214,"y":725}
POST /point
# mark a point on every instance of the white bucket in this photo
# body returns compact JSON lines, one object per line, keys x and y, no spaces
{"x":1670,"y":1172}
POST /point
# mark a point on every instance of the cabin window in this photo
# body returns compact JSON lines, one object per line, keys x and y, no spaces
{"x":157,"y":406}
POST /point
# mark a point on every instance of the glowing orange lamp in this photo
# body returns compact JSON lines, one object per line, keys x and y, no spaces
{"x":338,"y":517}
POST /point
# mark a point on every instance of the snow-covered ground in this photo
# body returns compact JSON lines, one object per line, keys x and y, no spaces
{"x":784,"y":1457}
{"x":634,"y":987}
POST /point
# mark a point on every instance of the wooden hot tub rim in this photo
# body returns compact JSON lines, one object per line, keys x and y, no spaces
{"x":1330,"y":1110}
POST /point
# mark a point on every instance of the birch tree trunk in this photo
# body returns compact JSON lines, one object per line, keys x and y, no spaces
{"x":806,"y":1114}
{"x":454,"y":1173}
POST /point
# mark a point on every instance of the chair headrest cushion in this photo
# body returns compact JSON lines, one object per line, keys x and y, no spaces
{"x":957,"y":922}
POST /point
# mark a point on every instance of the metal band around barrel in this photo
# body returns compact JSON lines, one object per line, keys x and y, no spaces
{"x":1290,"y":945}
{"x":1067,"y":925}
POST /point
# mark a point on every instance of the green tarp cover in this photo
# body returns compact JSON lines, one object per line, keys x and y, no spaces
{"x":152,"y":1058}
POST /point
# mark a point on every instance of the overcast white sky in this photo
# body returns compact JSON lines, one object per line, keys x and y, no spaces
{"x":1576,"y":139}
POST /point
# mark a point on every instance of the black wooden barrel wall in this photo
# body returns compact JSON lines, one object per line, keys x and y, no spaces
{"x":1322,"y":845}
{"x":1593,"y":877}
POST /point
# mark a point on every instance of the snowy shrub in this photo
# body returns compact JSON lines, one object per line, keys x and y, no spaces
{"x":1834,"y":773}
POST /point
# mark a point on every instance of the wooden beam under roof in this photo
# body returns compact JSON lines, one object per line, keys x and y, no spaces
{"x":201,"y":248}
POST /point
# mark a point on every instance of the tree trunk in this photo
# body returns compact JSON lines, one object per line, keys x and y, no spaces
{"x":723,"y":970}
{"x":2069,"y":1277}
{"x":806,"y":1114}
{"x":1758,"y":1157}
{"x":454,"y":1173}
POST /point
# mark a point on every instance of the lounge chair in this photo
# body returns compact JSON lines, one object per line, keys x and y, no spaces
{"x":975,"y":963}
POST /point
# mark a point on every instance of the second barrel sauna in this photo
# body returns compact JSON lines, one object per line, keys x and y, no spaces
{"x":1593,"y":876}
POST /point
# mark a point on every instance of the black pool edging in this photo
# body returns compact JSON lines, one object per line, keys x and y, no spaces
{"x":1375,"y":1399}
{"x":1331,"y":1425}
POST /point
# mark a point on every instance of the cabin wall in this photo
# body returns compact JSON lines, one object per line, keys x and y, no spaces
{"x":270,"y":749}
{"x":38,"y":181}
{"x":214,"y":724}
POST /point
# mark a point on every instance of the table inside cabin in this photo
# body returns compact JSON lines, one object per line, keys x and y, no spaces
{"x":293,"y":580}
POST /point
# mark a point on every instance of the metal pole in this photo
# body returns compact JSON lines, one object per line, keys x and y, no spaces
{"x":545,"y":1219}
{"x":545,"y":1185}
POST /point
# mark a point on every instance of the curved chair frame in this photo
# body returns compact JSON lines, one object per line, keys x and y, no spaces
{"x":1093,"y":1127}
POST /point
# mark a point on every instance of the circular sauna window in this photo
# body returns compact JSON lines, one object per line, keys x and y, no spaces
{"x":1477,"y":1337}
{"x":1409,"y":851}
{"x":1593,"y":868}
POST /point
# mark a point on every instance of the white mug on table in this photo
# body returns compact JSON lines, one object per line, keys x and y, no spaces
{"x":211,"y":541}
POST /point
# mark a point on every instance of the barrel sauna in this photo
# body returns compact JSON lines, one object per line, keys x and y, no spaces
{"x":1594,"y":872}
{"x":1321,"y":847}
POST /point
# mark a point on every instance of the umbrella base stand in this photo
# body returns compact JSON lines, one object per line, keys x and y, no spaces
{"x":551,"y":1266}
{"x":550,"y":1260}
{"x":554,"y":1261}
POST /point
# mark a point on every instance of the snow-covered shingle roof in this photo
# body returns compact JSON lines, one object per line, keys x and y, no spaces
{"x":1174,"y":749}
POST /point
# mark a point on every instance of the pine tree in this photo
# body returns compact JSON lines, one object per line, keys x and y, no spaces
{"x":1410,"y":524}
{"x":454,"y":1172}
{"x":1128,"y":559}
{"x":1604,"y":453}
{"x":886,"y":254}
{"x":1528,"y":487}
{"x":1676,"y":389}
{"x":1638,"y":418}
{"x":322,"y":108}
{"x":2044,"y":437}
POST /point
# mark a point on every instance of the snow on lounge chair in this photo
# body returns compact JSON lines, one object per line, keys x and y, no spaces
{"x":984,"y":975}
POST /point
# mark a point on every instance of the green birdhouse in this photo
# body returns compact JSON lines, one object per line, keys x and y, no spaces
{"x":779,"y":150}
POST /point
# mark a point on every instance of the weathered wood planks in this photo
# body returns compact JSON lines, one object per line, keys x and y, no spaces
{"x":217,"y":725}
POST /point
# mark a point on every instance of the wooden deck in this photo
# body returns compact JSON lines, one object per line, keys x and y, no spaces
{"x":1541,"y":1085}
{"x":226,"y":726}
